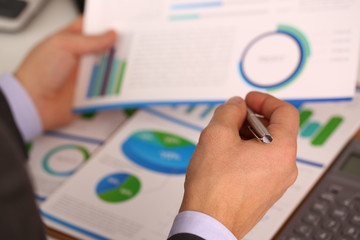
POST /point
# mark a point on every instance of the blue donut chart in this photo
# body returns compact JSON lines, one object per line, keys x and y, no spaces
{"x":302,"y":45}
{"x":54,"y":151}
{"x":159,"y":151}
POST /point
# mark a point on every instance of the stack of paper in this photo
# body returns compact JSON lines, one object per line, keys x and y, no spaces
{"x":132,"y":188}
{"x":201,"y":53}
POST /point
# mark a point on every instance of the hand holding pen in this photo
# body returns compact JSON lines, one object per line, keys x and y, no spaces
{"x":236,"y":179}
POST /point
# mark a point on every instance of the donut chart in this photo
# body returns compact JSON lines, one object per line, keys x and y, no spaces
{"x":118,"y":187}
{"x":64,"y":160}
{"x":159,"y":151}
{"x":274,"y":59}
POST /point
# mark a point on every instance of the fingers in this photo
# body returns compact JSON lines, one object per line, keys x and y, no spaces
{"x":231,"y":114}
{"x":82,"y":44}
{"x":282,"y":116}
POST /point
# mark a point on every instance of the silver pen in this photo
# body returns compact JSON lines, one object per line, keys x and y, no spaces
{"x":257,"y":128}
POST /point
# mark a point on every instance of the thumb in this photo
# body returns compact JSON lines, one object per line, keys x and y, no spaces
{"x":231,"y":114}
{"x":85,"y":44}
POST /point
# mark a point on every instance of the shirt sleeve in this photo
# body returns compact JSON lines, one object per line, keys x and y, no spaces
{"x":22,"y":107}
{"x":201,"y":225}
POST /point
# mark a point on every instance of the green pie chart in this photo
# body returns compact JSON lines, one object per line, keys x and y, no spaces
{"x":118,"y":187}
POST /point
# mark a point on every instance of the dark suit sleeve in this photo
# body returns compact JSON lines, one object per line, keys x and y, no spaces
{"x":19,"y":216}
{"x":185,"y":236}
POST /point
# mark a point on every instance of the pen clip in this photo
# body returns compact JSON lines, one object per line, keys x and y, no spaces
{"x":257,"y":128}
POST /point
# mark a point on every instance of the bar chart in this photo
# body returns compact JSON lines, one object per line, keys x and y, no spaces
{"x":107,"y":75}
{"x":208,"y":109}
{"x":314,"y":130}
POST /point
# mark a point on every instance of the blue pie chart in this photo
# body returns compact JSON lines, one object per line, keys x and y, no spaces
{"x":159,"y":151}
{"x":118,"y":187}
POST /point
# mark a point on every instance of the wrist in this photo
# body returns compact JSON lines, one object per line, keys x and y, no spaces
{"x":22,"y":107}
{"x":224,"y":213}
{"x":54,"y":109}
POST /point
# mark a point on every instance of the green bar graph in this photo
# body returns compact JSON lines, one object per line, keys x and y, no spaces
{"x":326,"y":131}
{"x":304,"y":116}
{"x":106,"y":75}
{"x":120,"y":77}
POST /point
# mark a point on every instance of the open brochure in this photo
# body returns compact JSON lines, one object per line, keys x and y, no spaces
{"x":58,"y":154}
{"x":171,"y":51}
{"x":132,"y":187}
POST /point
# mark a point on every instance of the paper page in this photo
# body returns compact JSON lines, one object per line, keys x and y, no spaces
{"x":208,"y":51}
{"x":125,"y":192}
{"x":52,"y":160}
{"x":315,"y":154}
{"x":57,"y":155}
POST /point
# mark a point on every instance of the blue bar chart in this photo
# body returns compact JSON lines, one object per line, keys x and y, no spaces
{"x":107,"y":75}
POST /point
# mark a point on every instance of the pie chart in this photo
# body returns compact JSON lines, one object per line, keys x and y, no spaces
{"x":159,"y":151}
{"x":118,"y":187}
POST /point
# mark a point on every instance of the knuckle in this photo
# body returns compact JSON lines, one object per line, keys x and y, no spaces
{"x":228,"y":107}
{"x":215,"y":132}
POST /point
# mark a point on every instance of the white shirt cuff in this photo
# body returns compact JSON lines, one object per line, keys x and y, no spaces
{"x":201,"y":225}
{"x":22,"y":107}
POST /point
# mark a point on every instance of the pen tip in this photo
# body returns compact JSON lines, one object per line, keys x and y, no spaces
{"x":267,"y":139}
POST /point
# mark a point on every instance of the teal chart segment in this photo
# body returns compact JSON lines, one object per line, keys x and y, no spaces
{"x":159,"y":151}
{"x":64,"y":156}
{"x":275,"y":59}
{"x":118,"y":187}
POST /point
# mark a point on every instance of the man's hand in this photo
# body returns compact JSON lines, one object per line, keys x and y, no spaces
{"x":49,"y":72}
{"x":235,"y":180}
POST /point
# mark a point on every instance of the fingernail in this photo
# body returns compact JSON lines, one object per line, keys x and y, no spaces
{"x":235,"y":100}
